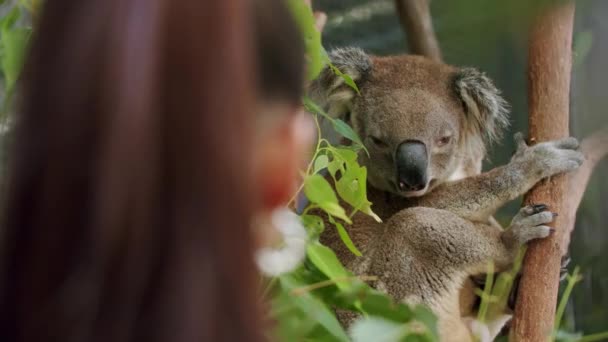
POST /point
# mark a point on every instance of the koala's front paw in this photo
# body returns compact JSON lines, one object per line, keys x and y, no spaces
{"x":548,"y":158}
{"x":530,"y":223}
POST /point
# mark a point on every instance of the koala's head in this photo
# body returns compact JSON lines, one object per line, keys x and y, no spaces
{"x":423,"y":122}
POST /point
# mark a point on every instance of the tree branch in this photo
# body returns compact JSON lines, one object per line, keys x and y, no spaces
{"x":415,"y":18}
{"x":549,"y":67}
{"x":595,"y":148}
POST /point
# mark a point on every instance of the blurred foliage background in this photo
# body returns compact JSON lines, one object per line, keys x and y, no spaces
{"x":491,"y":36}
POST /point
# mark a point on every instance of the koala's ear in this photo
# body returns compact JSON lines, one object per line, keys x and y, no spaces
{"x":330,"y":91}
{"x":486,"y":111}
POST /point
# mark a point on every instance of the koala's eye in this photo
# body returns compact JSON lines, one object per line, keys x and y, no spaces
{"x":444,"y":141}
{"x":378,"y":142}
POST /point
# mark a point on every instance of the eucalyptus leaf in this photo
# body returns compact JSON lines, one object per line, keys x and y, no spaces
{"x":346,"y":239}
{"x":346,"y":131}
{"x":320,"y":192}
{"x":347,"y":79}
{"x":428,"y":318}
{"x":13,"y":42}
{"x":336,"y":210}
{"x":327,"y":262}
{"x":345,"y":154}
{"x":352,"y":188}
{"x":378,"y":304}
{"x":314,"y":108}
{"x":315,"y":53}
{"x":314,"y":224}
{"x":312,"y":308}
{"x":334,"y":166}
{"x":377,"y":330}
{"x":320,"y":163}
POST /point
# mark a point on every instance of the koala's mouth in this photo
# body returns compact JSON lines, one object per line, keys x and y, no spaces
{"x":414,"y":193}
{"x":410,"y":193}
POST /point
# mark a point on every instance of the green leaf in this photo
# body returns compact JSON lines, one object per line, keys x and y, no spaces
{"x":13,"y":42}
{"x":10,"y":18}
{"x":327,"y":262}
{"x":339,"y":126}
{"x":352,"y":189}
{"x":377,"y":330}
{"x":346,"y":131}
{"x":347,"y":79}
{"x":305,"y":309}
{"x":428,"y":318}
{"x":312,"y":107}
{"x":314,"y":224}
{"x":335,"y":166}
{"x":320,"y":163}
{"x":346,"y":239}
{"x":345,"y":154}
{"x":319,"y":192}
{"x":378,"y":304}
{"x":336,"y":210}
{"x":315,"y":53}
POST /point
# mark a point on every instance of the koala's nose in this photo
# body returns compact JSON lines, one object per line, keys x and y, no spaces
{"x":411,"y":160}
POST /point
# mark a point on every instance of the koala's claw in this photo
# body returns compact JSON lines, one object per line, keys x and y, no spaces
{"x":530,"y":223}
{"x":535,"y":208}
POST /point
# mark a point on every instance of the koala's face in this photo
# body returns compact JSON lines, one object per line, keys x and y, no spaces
{"x":412,"y":137}
{"x":420,"y":120}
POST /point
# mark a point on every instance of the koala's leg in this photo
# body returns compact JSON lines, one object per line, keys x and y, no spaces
{"x":424,"y":255}
{"x":477,"y":198}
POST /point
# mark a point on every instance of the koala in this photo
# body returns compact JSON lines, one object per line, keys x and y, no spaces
{"x":426,"y":126}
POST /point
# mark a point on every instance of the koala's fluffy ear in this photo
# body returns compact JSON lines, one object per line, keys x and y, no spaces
{"x":486,"y":111}
{"x":329,"y":89}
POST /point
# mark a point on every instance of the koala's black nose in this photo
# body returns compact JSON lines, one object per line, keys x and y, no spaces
{"x":411,"y":160}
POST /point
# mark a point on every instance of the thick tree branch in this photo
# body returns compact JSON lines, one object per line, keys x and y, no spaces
{"x":415,"y":18}
{"x":549,"y":67}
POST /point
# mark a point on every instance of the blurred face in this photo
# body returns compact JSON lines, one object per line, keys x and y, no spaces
{"x":284,"y":137}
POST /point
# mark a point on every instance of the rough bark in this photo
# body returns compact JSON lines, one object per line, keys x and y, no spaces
{"x":549,"y":67}
{"x":415,"y":18}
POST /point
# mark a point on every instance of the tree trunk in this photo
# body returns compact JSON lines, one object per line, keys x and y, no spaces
{"x":415,"y":17}
{"x":549,"y":66}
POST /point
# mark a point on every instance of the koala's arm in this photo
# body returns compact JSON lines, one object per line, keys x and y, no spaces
{"x":477,"y":198}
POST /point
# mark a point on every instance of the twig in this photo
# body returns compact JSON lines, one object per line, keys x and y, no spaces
{"x":595,"y":148}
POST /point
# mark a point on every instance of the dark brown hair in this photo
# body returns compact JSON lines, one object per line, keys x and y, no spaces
{"x":130,"y":197}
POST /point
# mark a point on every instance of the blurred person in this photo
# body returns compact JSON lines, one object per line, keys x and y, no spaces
{"x":150,"y":134}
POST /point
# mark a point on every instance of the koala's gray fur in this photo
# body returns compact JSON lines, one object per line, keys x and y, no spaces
{"x":433,"y":240}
